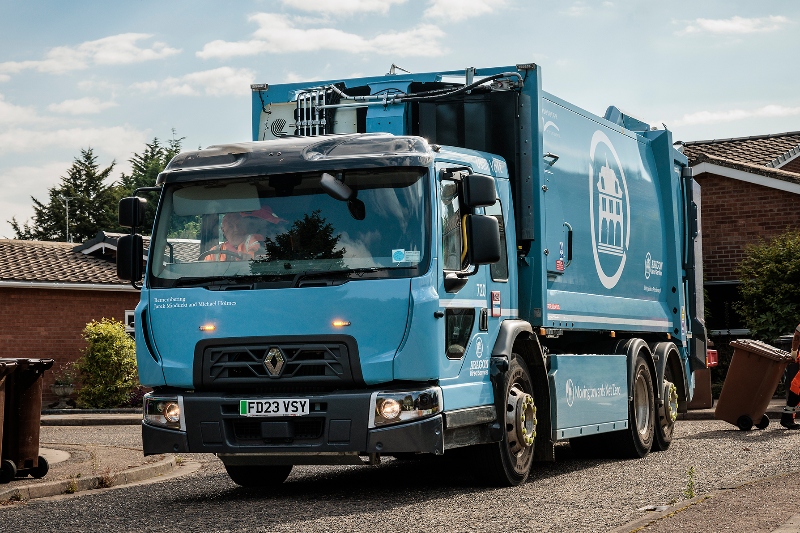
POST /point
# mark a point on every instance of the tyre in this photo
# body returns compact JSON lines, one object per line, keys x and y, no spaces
{"x":258,"y":475}
{"x":763,"y":423}
{"x":8,"y":471}
{"x":745,"y":423}
{"x":41,"y":470}
{"x":637,"y":440}
{"x":668,"y":413}
{"x":508,"y":463}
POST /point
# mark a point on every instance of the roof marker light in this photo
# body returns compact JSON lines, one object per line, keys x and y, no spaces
{"x":340,"y":323}
{"x":208,"y":327}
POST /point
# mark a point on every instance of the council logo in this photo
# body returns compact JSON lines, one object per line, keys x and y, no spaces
{"x":609,"y":209}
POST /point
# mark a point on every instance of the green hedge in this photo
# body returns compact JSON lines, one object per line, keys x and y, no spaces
{"x":770,"y":287}
{"x":107,"y":366}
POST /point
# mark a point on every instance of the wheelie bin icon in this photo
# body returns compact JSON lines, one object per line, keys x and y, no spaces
{"x":7,"y":471}
{"x":23,"y":407}
{"x":753,"y":375}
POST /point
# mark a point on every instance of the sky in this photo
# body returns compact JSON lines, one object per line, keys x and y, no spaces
{"x":112,"y":76}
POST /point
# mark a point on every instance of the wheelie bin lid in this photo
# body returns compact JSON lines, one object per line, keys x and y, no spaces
{"x":36,"y":365}
{"x":7,"y":366}
{"x":763,"y":349}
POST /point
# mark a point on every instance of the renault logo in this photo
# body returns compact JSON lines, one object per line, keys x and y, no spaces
{"x":274,"y":361}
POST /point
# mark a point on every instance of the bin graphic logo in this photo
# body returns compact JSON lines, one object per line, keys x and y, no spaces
{"x":609,"y":209}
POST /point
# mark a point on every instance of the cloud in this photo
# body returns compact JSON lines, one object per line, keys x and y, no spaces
{"x":457,"y":10}
{"x":578,"y":9}
{"x":216,"y":82}
{"x":14,"y":114}
{"x":716,"y":117}
{"x":118,"y":141}
{"x":81,"y":106}
{"x":343,"y":7}
{"x":19,"y":184}
{"x":277,"y":34}
{"x":736,"y":25}
{"x":119,"y":49}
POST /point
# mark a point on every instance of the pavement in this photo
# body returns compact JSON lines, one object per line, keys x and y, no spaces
{"x":81,"y":464}
{"x":87,"y":464}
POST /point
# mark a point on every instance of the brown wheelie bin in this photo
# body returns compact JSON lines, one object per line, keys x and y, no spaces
{"x":753,"y":375}
{"x":7,"y":470}
{"x":23,"y":412}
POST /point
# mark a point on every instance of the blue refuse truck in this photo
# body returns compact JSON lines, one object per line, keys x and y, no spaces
{"x":414,"y":264}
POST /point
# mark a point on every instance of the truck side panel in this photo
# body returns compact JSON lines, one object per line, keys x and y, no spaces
{"x":602,"y":186}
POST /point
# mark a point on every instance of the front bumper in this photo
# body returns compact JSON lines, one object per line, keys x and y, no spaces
{"x":337,"y":424}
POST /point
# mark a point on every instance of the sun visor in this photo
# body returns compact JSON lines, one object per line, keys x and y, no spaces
{"x":202,"y":200}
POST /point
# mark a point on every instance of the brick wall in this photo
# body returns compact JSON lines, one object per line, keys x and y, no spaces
{"x":47,"y":323}
{"x":792,"y":166}
{"x":736,"y":213}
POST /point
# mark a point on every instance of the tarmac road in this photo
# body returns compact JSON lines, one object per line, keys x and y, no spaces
{"x":572,"y":495}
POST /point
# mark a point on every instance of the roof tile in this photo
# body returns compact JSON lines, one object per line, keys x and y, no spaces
{"x":53,"y":262}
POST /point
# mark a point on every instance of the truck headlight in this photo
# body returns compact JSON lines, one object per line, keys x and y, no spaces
{"x":392,"y":407}
{"x":164,"y":411}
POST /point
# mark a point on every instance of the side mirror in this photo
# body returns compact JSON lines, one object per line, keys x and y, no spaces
{"x":479,"y":190}
{"x":131,"y":212}
{"x":130,"y":250}
{"x":483,"y":239}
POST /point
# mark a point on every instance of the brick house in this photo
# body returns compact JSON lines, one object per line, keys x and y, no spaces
{"x":49,"y":291}
{"x":750,"y":192}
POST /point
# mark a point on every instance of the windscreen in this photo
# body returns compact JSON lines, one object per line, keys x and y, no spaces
{"x":286,"y":227}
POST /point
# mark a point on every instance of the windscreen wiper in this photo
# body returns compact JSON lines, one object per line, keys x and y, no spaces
{"x":342,"y":276}
{"x":226,"y":282}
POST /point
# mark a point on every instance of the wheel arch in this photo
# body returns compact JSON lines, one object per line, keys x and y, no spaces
{"x":631,"y":348}
{"x":517,"y":336}
{"x":667,"y":355}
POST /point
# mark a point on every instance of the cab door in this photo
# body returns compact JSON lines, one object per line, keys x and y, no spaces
{"x":474,"y":309}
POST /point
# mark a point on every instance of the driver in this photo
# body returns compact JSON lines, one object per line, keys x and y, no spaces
{"x":239,"y":242}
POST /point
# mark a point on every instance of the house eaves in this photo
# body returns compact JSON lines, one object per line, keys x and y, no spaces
{"x":756,"y":174}
{"x":7,"y":284}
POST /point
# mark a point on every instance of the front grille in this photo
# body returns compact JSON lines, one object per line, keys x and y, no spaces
{"x":303,"y":429}
{"x":278,"y":366}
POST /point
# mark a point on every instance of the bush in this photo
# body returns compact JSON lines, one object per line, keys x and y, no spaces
{"x":107,"y":366}
{"x":770,"y":288}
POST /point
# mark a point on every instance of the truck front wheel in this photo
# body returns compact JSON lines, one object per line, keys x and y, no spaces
{"x":258,"y":475}
{"x":508,"y":462}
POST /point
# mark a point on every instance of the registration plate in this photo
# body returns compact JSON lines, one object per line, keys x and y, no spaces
{"x":277,"y":407}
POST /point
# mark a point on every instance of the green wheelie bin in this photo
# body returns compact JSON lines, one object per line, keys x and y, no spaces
{"x":22,"y":419}
{"x":7,"y":469}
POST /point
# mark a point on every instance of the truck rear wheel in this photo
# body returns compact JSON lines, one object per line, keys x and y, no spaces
{"x":508,"y":462}
{"x":668,"y":412}
{"x":637,"y":440}
{"x":258,"y":475}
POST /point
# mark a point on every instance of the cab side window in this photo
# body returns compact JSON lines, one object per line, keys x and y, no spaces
{"x":452,"y":242}
{"x":499,"y":270}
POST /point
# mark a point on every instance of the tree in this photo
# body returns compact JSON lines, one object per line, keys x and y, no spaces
{"x":145,"y":169}
{"x":92,"y":204}
{"x":309,"y":238}
{"x":770,"y":287}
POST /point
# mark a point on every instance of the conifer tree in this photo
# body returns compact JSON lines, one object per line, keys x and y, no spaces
{"x":92,"y":204}
{"x":145,"y":168}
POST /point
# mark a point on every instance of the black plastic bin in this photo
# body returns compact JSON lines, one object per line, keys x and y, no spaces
{"x":23,"y":410}
{"x":7,"y":470}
